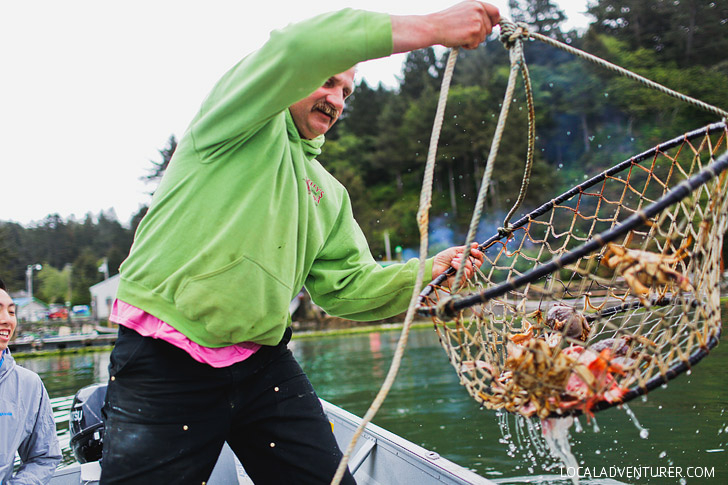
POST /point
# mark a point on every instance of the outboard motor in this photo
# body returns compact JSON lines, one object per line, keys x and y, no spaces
{"x":86,"y":424}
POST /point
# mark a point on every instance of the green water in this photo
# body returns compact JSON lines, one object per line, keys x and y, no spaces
{"x":687,"y":421}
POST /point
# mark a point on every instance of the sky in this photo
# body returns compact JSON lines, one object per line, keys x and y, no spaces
{"x":91,"y":90}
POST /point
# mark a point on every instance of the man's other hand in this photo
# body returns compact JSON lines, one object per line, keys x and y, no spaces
{"x":454,"y":257}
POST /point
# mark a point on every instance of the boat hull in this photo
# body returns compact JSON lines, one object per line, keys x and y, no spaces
{"x":380,"y":458}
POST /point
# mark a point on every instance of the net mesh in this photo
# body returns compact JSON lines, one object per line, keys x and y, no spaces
{"x":614,"y":322}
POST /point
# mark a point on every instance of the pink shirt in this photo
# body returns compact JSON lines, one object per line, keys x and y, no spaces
{"x":151,"y":326}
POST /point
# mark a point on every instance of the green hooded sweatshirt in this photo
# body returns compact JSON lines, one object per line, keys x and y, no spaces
{"x":245,"y":215}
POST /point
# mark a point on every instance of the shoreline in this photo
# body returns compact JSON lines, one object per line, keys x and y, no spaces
{"x":297,"y":335}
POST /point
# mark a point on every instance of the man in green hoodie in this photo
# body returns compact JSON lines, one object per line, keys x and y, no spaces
{"x":244,"y":217}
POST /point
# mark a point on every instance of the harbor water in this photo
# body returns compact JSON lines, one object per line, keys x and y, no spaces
{"x":682,"y":425}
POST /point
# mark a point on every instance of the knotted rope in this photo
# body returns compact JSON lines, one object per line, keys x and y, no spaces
{"x":631,"y":75}
{"x":422,"y":220}
{"x":512,"y":36}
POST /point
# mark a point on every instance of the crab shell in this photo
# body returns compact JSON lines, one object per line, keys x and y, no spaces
{"x":575,"y":323}
{"x":642,"y":269}
{"x":618,"y":346}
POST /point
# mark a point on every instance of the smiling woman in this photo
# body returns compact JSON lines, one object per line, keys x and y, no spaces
{"x":26,"y":417}
{"x":8,"y":322}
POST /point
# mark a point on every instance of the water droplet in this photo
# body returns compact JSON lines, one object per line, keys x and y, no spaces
{"x":644,"y":434}
{"x":606,"y":95}
{"x":662,"y":454}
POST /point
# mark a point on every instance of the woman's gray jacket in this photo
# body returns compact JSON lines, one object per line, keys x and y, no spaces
{"x":26,"y":426}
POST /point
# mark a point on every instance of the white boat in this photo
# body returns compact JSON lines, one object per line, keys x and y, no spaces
{"x":380,"y":458}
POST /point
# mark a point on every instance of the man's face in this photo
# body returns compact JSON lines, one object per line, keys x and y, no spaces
{"x":315,"y":114}
{"x":8,"y":322}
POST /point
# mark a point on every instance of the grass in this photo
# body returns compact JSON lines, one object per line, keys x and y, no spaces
{"x":67,"y":351}
{"x":385,"y":327}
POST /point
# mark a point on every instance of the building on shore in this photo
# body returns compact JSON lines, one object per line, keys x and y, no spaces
{"x":30,"y":310}
{"x":102,"y":297}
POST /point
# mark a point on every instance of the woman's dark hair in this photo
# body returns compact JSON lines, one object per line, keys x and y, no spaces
{"x":2,"y":285}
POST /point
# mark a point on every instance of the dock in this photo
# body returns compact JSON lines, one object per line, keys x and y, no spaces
{"x":71,"y":341}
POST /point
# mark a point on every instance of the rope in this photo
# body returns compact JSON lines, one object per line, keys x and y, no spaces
{"x":512,"y":38}
{"x":622,"y":71}
{"x":531,"y":145}
{"x":422,"y":220}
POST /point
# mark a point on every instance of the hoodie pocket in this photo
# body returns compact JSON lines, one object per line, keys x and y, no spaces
{"x":235,"y":303}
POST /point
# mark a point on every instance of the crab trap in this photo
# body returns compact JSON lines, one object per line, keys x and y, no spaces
{"x":600,"y":295}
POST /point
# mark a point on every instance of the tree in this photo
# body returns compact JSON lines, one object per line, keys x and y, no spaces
{"x":544,"y":16}
{"x":158,"y":168}
{"x":687,"y":32}
{"x":363,"y":107}
{"x":12,"y":255}
{"x":137,"y":218}
{"x":421,"y":70}
{"x":84,"y":275}
{"x":53,"y":284}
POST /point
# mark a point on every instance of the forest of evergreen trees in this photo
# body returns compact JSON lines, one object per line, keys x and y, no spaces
{"x":586,"y":120}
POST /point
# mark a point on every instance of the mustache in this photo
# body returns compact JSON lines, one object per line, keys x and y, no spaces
{"x":327,"y":109}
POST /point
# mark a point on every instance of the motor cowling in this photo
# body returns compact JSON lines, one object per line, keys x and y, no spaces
{"x":86,"y":424}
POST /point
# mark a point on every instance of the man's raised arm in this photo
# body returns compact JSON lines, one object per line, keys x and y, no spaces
{"x":463,"y":25}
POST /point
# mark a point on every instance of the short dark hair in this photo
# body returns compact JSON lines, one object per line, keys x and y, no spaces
{"x":2,"y":285}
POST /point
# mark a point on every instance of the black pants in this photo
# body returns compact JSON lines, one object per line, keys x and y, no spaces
{"x":167,"y":417}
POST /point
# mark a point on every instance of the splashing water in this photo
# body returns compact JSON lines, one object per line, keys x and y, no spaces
{"x":556,"y":433}
{"x":644,"y":433}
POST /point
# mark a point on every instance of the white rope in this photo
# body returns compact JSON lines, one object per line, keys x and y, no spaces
{"x":422,"y":219}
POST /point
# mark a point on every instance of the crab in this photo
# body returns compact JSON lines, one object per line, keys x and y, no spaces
{"x":537,"y":381}
{"x":592,"y":380}
{"x":642,"y":269}
{"x":568,"y":320}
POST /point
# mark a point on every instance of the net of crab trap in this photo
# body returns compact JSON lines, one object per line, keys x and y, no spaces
{"x":601,"y":294}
